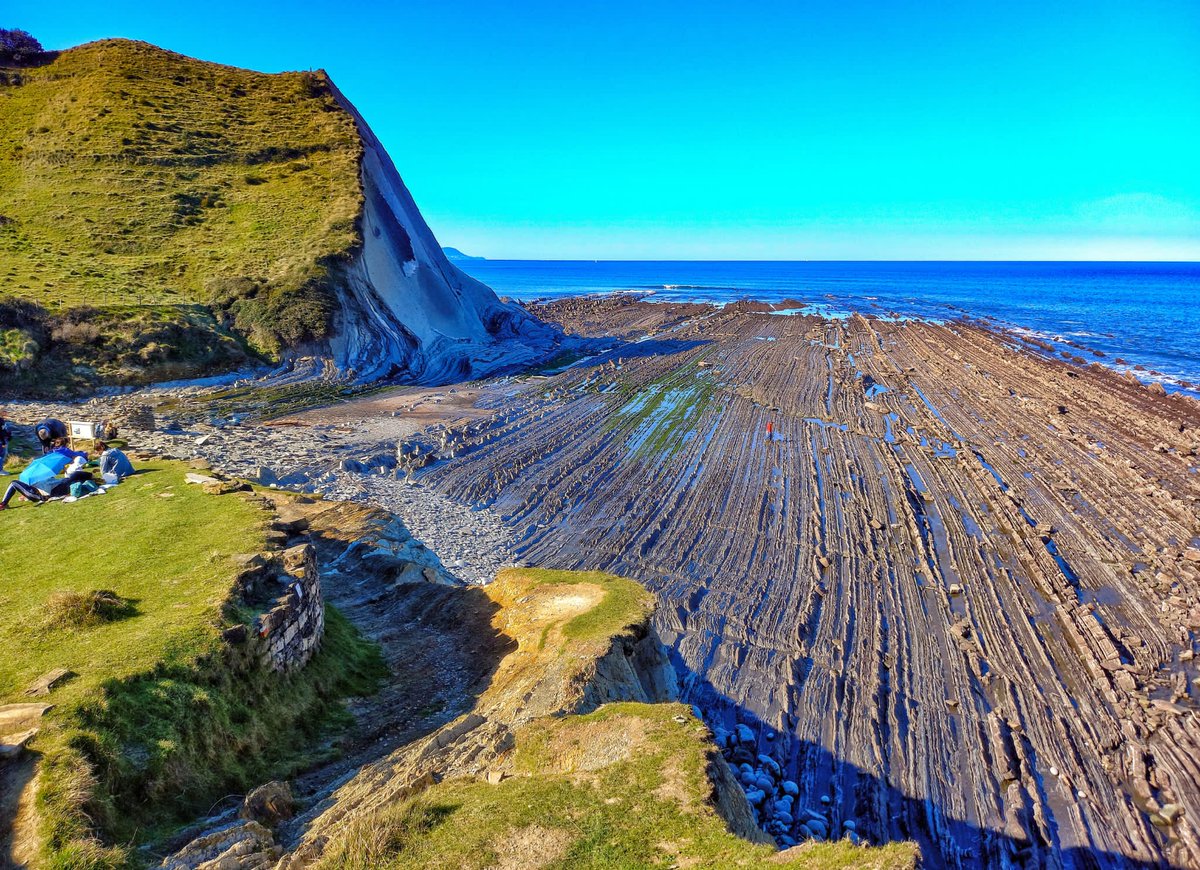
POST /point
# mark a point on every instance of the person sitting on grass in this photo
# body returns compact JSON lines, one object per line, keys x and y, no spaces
{"x":6,"y":435}
{"x":114,"y":464}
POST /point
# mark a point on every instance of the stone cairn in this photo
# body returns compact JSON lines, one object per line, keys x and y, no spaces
{"x":289,"y":632}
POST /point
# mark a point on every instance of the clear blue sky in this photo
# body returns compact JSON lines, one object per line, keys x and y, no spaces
{"x":721,"y":130}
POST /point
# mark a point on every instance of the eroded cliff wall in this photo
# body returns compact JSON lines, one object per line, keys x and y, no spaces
{"x":404,"y":309}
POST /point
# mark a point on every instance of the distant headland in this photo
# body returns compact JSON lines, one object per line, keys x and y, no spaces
{"x":454,"y":254}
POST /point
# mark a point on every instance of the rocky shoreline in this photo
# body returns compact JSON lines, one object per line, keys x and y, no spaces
{"x":947,"y":584}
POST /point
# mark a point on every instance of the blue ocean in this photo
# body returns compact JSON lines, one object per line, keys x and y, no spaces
{"x":1148,"y":314}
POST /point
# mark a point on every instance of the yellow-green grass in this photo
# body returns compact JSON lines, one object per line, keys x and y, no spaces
{"x":170,"y":555}
{"x":623,"y":787}
{"x":134,"y":176}
{"x":625,"y":603}
{"x":163,"y":718}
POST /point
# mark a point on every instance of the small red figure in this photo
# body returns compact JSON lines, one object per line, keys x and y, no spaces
{"x":770,"y":429}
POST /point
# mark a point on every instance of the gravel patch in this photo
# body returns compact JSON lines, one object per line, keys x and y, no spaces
{"x":472,"y":542}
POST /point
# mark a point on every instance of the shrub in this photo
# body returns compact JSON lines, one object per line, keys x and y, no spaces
{"x":85,"y":609}
{"x":226,"y":289}
{"x":22,"y":333}
{"x":21,"y":314}
{"x":18,"y":45}
{"x":17,"y":349}
{"x":77,"y":333}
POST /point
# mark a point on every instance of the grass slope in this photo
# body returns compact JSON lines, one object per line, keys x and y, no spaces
{"x":623,"y":603}
{"x":161,"y":720}
{"x":175,"y":192}
{"x":104,"y":542}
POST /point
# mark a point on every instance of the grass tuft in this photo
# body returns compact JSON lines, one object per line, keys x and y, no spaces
{"x":625,"y":602}
{"x":84,"y":610}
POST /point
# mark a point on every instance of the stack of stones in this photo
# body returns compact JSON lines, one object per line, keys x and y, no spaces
{"x":774,"y":799}
{"x":289,"y":632}
{"x":293,"y":628}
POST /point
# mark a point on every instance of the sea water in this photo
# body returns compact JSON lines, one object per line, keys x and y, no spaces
{"x":1147,"y":314}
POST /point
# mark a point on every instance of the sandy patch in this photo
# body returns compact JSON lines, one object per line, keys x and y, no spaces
{"x":531,"y":848}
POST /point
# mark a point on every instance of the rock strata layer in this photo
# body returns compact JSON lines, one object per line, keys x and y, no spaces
{"x":404,"y":309}
{"x":949,"y":585}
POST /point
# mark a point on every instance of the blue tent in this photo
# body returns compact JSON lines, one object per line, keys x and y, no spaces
{"x":44,"y":468}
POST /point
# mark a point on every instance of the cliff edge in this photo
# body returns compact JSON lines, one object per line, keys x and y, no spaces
{"x":576,"y":754}
{"x":404,"y":308}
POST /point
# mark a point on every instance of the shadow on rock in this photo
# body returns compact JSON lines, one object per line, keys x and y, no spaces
{"x":834,"y":798}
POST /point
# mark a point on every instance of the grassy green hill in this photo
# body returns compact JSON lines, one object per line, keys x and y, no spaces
{"x":161,"y":718}
{"x":162,"y":216}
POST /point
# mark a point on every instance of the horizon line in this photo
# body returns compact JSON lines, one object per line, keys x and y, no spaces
{"x":478,"y":259}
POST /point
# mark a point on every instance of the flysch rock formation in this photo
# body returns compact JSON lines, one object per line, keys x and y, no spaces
{"x":953,"y":590}
{"x":350,"y":273}
{"x":404,"y":309}
{"x":953,"y":593}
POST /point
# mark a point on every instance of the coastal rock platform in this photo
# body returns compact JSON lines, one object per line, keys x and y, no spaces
{"x":950,"y":584}
{"x":932,"y":580}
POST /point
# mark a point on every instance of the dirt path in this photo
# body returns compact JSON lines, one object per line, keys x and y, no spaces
{"x":18,"y":789}
{"x":18,"y":845}
{"x":437,"y":638}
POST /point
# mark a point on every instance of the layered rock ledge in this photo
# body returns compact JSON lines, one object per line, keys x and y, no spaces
{"x":580,"y":711}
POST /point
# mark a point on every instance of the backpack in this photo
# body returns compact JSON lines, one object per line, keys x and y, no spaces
{"x":83,"y":487}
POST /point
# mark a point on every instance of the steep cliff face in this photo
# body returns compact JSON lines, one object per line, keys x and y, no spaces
{"x":164,"y":218}
{"x":404,"y":308}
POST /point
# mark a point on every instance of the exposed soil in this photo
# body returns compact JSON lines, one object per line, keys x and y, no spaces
{"x":18,"y":843}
